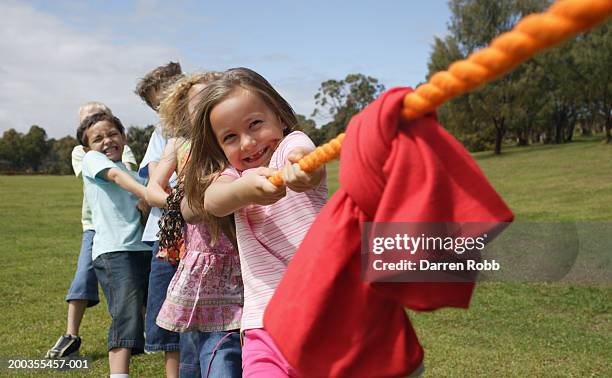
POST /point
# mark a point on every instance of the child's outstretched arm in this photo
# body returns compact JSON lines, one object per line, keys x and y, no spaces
{"x":97,"y":166}
{"x":295,"y":178}
{"x":158,"y":180}
{"x":124,"y":181}
{"x":228,"y":194}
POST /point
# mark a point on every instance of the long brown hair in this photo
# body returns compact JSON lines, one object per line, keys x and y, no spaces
{"x":207,"y":159}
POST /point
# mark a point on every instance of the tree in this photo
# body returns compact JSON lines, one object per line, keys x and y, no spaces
{"x":561,"y":86}
{"x":35,"y":147}
{"x":473,"y":24}
{"x":593,"y":55}
{"x":529,"y":110}
{"x":457,"y":114}
{"x":309,"y":127}
{"x":342,"y":99}
{"x":138,"y":140}
{"x":59,"y":159}
{"x":11,"y":152}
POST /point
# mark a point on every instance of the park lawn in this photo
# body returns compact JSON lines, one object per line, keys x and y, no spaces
{"x":545,"y":329}
{"x":542,"y":329}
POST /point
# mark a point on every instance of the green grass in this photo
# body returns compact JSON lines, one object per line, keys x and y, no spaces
{"x":555,"y":329}
{"x":40,"y":238}
{"x":554,"y":183}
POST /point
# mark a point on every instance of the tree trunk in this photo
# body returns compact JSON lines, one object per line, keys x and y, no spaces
{"x":500,"y":130}
{"x":586,"y":128}
{"x":549,"y":134}
{"x":560,"y":119}
{"x":536,"y":138}
{"x":570,"y":132}
{"x":522,"y":138}
{"x":558,"y":132}
{"x":498,"y":141}
{"x":608,"y":126}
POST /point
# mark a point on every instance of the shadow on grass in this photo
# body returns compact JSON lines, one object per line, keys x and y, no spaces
{"x":96,"y":356}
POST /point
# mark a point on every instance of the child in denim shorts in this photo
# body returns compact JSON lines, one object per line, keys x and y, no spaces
{"x":83,"y":292}
{"x":121,"y":260}
{"x":151,"y":89}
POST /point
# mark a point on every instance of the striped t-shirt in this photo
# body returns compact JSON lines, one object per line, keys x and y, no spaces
{"x":268,"y":236}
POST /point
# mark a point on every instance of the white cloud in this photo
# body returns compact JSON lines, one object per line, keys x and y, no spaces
{"x":48,"y":69}
{"x":73,"y":52}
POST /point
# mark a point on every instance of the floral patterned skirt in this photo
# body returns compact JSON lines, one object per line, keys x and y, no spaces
{"x":205,"y":294}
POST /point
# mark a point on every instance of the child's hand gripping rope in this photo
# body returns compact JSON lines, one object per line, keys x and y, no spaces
{"x":262,"y":191}
{"x":309,"y":163}
{"x":295,"y":177}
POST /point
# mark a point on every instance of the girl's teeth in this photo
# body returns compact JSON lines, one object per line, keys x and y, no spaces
{"x":256,"y":156}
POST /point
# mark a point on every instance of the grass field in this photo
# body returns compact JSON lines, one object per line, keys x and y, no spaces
{"x":557,"y":329}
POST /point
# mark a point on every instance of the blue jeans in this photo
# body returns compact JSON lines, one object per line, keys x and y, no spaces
{"x":159,"y":339}
{"x":210,"y":354}
{"x":123,"y":277}
{"x":85,"y":283}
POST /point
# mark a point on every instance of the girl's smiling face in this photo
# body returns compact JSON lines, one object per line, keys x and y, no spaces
{"x":246,"y":129}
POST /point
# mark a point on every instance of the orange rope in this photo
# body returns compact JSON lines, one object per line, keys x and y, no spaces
{"x":321,"y":155}
{"x":534,"y":33}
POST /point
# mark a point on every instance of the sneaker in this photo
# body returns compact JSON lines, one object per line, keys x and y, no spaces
{"x":66,"y":345}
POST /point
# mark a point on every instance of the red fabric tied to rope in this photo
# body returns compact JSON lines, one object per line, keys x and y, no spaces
{"x":323,"y":317}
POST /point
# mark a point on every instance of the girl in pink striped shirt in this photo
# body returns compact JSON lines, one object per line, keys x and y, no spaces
{"x":244,"y":131}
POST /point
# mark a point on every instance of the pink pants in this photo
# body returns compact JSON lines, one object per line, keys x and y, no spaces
{"x":261,"y":358}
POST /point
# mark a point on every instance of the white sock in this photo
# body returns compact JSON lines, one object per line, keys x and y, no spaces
{"x":122,"y":375}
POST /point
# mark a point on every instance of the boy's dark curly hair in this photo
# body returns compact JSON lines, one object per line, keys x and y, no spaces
{"x":92,"y":120}
{"x":160,"y":78}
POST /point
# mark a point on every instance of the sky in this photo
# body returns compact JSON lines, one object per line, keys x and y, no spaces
{"x":57,"y":55}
